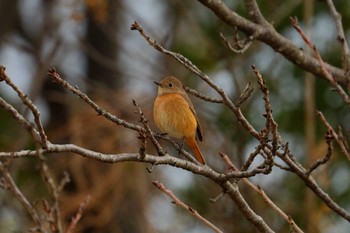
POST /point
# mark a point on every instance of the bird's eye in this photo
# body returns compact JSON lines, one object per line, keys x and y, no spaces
{"x":170,"y":85}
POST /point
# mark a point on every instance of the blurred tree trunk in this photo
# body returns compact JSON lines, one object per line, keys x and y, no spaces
{"x":8,"y":17}
{"x":103,"y":23}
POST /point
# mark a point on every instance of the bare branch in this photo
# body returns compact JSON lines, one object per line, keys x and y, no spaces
{"x":239,"y":47}
{"x":78,"y":215}
{"x":312,"y":184}
{"x":247,"y":92}
{"x":329,"y":137}
{"x":180,"y":203}
{"x":28,"y":103}
{"x":267,"y":34}
{"x":11,"y":185}
{"x":271,"y":124}
{"x":148,"y":130}
{"x":323,"y":66}
{"x":334,"y":134}
{"x":341,"y":38}
{"x":55,"y":194}
{"x":201,"y":96}
{"x":20,"y":119}
{"x":57,"y":79}
{"x":265,"y":196}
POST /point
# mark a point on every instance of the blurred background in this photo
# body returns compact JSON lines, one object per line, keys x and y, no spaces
{"x":90,"y":44}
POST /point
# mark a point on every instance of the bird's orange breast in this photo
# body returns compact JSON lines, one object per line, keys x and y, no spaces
{"x":173,"y":116}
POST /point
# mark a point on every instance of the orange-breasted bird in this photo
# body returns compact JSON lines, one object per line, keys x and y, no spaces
{"x":174,"y":114}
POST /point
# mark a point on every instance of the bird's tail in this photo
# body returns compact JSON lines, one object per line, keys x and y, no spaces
{"x":191,"y":142}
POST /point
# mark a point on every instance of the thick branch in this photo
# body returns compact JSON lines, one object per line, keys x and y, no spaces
{"x":269,"y":36}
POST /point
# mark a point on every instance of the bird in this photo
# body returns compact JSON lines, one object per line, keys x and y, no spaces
{"x":174,"y":114}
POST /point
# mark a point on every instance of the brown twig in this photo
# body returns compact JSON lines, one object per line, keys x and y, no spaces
{"x":266,"y":198}
{"x":78,"y":215}
{"x":267,"y":34}
{"x":26,"y":101}
{"x":244,"y":173}
{"x":201,"y":96}
{"x":341,"y":38}
{"x":10,"y":184}
{"x":251,"y":158}
{"x":180,"y":203}
{"x":54,"y":190}
{"x":239,"y":46}
{"x":271,"y":125}
{"x":322,"y":65}
{"x":310,"y":182}
{"x":247,"y":92}
{"x":57,"y":79}
{"x":334,"y":134}
{"x":328,"y":137}
{"x":149,"y":132}
{"x":20,"y":119}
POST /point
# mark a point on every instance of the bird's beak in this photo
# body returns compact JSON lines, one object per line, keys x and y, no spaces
{"x":159,"y":84}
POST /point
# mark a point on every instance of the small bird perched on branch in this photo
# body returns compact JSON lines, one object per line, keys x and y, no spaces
{"x":174,"y":114}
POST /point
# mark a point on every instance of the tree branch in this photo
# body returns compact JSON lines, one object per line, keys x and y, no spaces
{"x":180,"y":203}
{"x":268,"y":35}
{"x":342,"y":40}
{"x":26,"y":101}
{"x":9,"y":183}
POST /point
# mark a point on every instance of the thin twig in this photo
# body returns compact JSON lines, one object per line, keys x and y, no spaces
{"x":240,"y":48}
{"x":203,"y":97}
{"x":57,"y":79}
{"x":251,"y":158}
{"x":312,"y":185}
{"x":334,"y":134}
{"x":322,"y":65}
{"x":264,"y":195}
{"x":243,"y":173}
{"x":11,"y":185}
{"x":20,"y":119}
{"x":271,"y":124}
{"x":55,"y":194}
{"x":247,"y":92}
{"x":328,"y":137}
{"x":78,"y":215}
{"x":26,"y":101}
{"x":180,"y":203}
{"x":148,"y":130}
{"x":341,"y":38}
